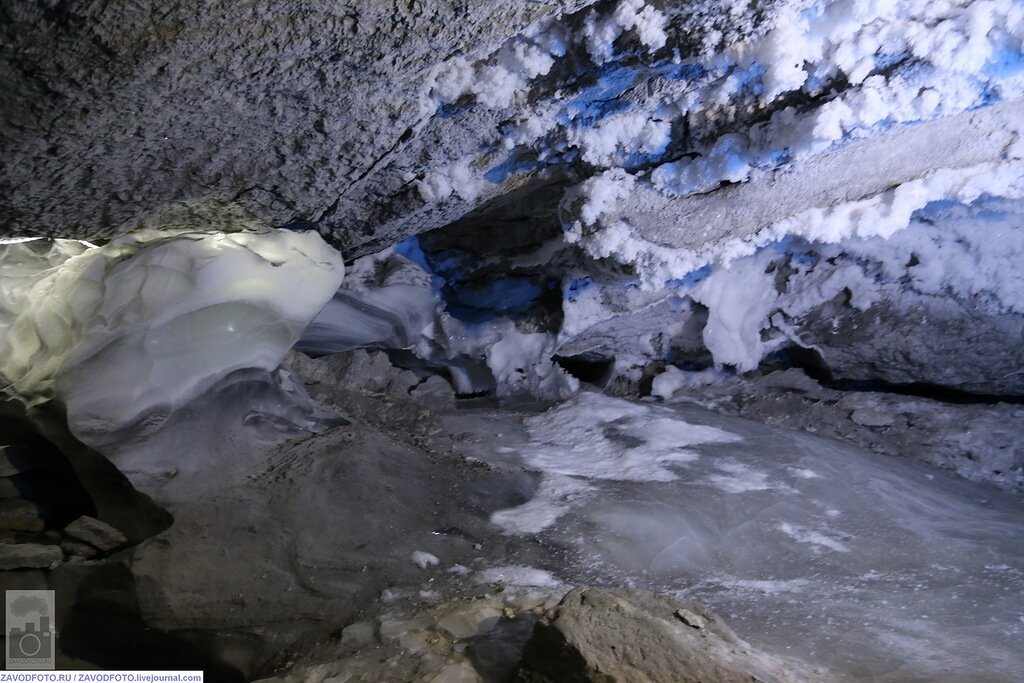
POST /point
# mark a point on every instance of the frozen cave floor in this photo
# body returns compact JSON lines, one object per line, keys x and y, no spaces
{"x":873,"y":567}
{"x":389,"y":531}
{"x":858,"y":563}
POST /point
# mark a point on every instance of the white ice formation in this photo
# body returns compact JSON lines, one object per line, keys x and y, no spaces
{"x":125,"y":333}
{"x":596,"y":437}
{"x":837,"y":123}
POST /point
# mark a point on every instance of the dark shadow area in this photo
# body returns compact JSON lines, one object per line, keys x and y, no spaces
{"x":100,"y":623}
{"x":591,"y":368}
{"x":811,"y":362}
{"x":496,"y":654}
{"x":39,"y":472}
{"x":113,"y":498}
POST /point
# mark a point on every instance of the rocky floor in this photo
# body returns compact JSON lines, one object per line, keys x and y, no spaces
{"x":414,"y":536}
{"x":875,"y":567}
{"x":981,"y":440}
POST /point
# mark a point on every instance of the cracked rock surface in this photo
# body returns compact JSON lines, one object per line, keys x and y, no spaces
{"x":289,"y":108}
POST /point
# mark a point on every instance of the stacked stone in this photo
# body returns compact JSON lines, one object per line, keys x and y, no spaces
{"x":28,"y":537}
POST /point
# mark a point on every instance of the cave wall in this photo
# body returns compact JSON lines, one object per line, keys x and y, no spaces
{"x":112,"y":109}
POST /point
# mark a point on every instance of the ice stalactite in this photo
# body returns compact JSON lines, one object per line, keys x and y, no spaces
{"x":125,"y":333}
{"x":934,"y":300}
{"x":931,"y":303}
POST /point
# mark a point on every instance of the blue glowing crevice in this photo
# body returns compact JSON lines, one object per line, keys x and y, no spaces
{"x":449,"y":264}
{"x":798,"y":249}
{"x":1005,"y":62}
{"x":986,"y":207}
{"x":690,"y":279}
{"x":514,"y":165}
{"x":478,"y":301}
{"x":500,"y":297}
{"x":750,"y":77}
{"x":593,"y":104}
{"x":411,"y":249}
{"x":934,"y":209}
{"x":602,"y":99}
{"x":886,"y":60}
{"x":599,"y":100}
{"x":576,"y":286}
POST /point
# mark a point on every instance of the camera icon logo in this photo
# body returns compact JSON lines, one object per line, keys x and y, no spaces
{"x":30,"y":634}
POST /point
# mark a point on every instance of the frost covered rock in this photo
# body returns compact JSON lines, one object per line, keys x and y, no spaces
{"x":918,"y":339}
{"x":668,"y":382}
{"x":861,"y":188}
{"x":979,"y":441}
{"x":424,"y":560}
{"x":936,"y":302}
{"x":522,"y":365}
{"x":625,"y":634}
{"x":631,"y":141}
{"x":398,"y":119}
{"x":433,"y":391}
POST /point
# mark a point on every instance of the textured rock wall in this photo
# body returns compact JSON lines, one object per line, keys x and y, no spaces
{"x":112,"y":109}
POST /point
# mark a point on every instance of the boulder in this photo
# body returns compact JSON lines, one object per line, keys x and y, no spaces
{"x":629,"y":635}
{"x":29,"y":556}
{"x":17,"y":514}
{"x":918,"y":338}
{"x":96,"y":533}
{"x":78,"y":549}
{"x":434,"y":391}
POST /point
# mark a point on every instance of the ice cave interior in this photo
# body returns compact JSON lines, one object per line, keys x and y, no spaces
{"x":531,"y":340}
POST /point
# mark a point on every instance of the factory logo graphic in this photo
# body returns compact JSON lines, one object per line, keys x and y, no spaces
{"x":30,"y":634}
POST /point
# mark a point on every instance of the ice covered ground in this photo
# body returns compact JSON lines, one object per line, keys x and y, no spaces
{"x":872,"y":566}
{"x":875,"y":567}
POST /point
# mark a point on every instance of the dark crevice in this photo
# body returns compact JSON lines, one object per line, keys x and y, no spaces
{"x":102,"y":624}
{"x":402,"y":139}
{"x":591,"y":368}
{"x":811,"y":362}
